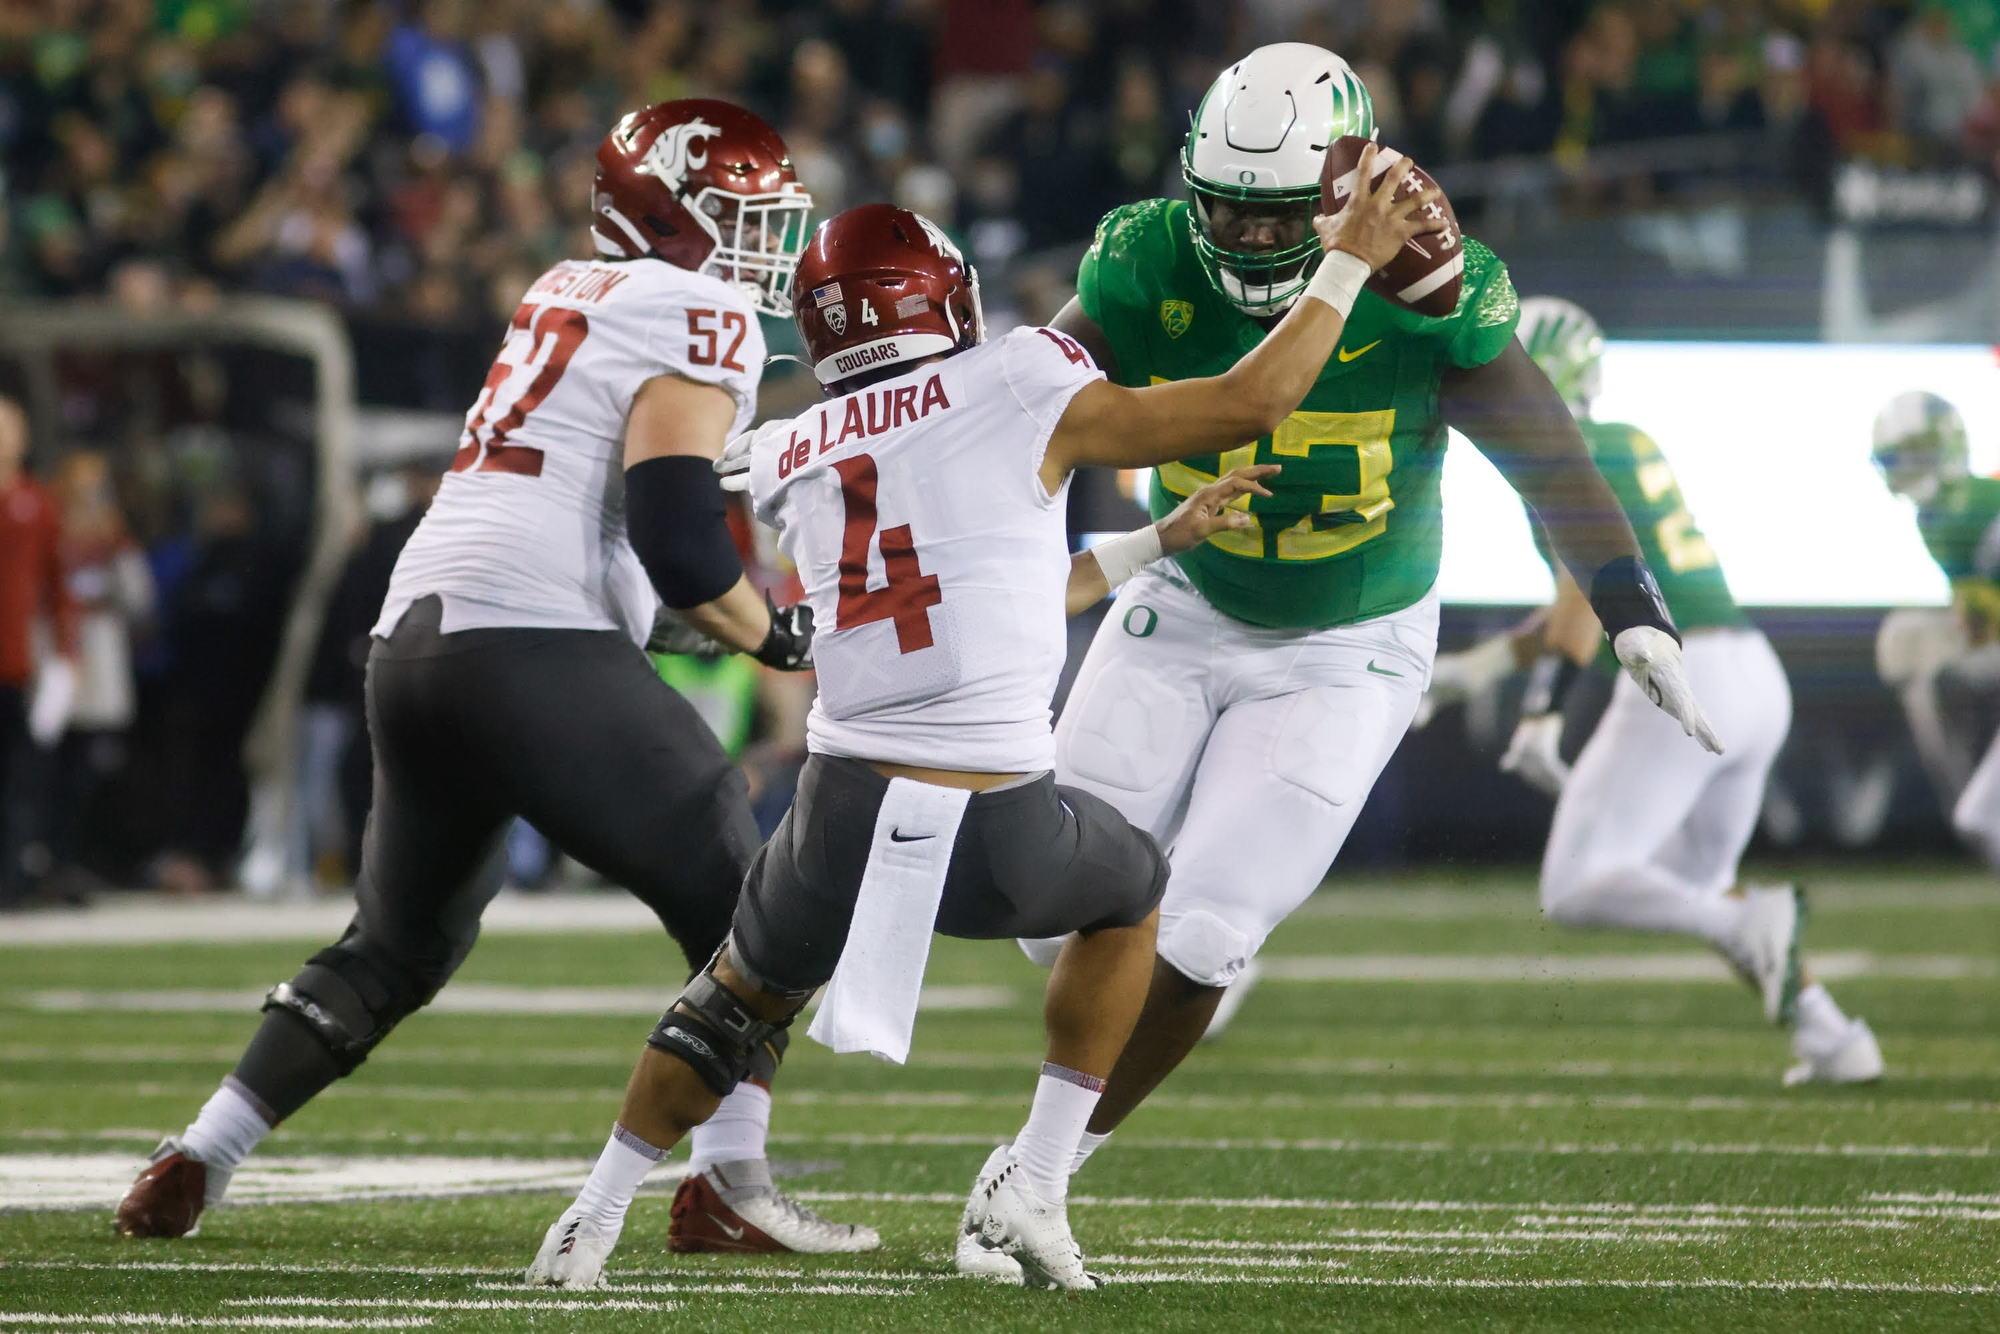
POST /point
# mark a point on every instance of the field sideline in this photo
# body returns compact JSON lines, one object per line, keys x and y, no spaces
{"x":1436,"y":1113}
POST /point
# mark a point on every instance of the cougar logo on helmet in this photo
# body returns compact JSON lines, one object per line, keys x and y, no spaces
{"x":673,"y":156}
{"x":939,"y":241}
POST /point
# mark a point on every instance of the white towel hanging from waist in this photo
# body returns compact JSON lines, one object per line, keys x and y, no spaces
{"x":871,"y":1003}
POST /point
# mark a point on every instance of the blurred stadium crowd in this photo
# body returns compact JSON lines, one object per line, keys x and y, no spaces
{"x":417,"y":164}
{"x":432,"y":156}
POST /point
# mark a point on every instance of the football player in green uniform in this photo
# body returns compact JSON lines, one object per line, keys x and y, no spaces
{"x":1261,"y":681}
{"x":1649,"y":833}
{"x":1920,"y":448}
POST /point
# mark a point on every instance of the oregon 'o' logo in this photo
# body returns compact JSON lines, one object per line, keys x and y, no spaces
{"x":1140,"y":620}
{"x":1247,"y":176}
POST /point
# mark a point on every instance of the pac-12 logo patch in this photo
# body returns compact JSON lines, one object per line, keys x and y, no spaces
{"x":1175,"y":316}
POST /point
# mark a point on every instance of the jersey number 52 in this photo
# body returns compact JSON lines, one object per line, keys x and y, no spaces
{"x":540,"y":342}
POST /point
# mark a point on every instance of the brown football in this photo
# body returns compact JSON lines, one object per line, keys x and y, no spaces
{"x":1428,"y":272}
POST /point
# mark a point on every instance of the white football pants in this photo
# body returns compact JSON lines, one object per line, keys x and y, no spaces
{"x":1246,"y":752}
{"x":1976,"y":815}
{"x":1650,"y":827}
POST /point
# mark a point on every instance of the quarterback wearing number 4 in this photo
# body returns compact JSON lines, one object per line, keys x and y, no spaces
{"x":1262,"y":680}
{"x":1648,"y":832}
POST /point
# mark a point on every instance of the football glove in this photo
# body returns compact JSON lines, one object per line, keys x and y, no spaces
{"x":789,"y":646}
{"x":1653,"y":659}
{"x":1534,"y":753}
{"x":734,"y":464}
{"x":672,"y":634}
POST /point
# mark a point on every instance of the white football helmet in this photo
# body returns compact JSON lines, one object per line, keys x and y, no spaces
{"x":1252,"y":167}
{"x":1568,"y":345}
{"x":1920,"y":445}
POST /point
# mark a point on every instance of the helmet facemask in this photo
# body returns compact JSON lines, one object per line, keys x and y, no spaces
{"x":1252,"y":162}
{"x":1258,"y":245}
{"x":1920,"y":447}
{"x":758,"y":241}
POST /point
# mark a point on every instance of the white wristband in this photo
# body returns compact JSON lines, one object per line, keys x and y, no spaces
{"x":1123,"y":556}
{"x":1338,"y":280}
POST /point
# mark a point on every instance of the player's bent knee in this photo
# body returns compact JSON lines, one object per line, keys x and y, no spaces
{"x":717,"y":1034}
{"x":1203,"y":948}
{"x":350,"y":1000}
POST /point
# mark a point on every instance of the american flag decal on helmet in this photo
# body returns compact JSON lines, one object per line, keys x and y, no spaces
{"x":826,"y":296}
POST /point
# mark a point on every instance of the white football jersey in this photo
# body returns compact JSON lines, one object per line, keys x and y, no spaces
{"x":528,"y":528}
{"x":935,"y":563}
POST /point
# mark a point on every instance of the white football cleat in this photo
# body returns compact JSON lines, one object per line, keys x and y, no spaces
{"x":1766,"y":948}
{"x":1848,"y":1055}
{"x":573,"y":1253}
{"x":976,"y":1259}
{"x":733,"y":1208}
{"x":1014,"y":1217}
{"x":1232,"y":1000}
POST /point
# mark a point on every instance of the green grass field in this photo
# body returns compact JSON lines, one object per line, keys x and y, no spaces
{"x":1436,"y":1114}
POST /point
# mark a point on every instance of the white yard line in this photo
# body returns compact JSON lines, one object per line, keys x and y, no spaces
{"x":1187,"y":1102}
{"x":145,"y":919}
{"x":1555,"y":1148}
{"x":166,"y":1321}
{"x":694,"y":1287}
{"x":477,"y":998}
{"x":1605,"y":1211}
{"x":609,"y":1302}
{"x":1677,"y":966}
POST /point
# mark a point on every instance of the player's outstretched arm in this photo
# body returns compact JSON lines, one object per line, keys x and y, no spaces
{"x":1094,"y":573}
{"x":1116,"y":427}
{"x":675,"y":517}
{"x":1511,"y":411}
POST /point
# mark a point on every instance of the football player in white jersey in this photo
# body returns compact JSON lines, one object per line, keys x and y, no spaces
{"x":507,"y":678}
{"x":1649,"y":830}
{"x":924,"y":507}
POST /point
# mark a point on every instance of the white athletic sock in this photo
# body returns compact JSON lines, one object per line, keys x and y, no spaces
{"x":735,"y":1132}
{"x":1048,"y":1144}
{"x":1089,"y":1144}
{"x":229,"y":1125}
{"x":608,"y":1193}
{"x":1818,"y":1013}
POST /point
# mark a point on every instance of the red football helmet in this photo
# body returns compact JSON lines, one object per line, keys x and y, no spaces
{"x":878,"y":286}
{"x":704,"y":185}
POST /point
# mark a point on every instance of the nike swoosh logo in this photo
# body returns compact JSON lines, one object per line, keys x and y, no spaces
{"x":1380,"y":671}
{"x":733,"y":1233}
{"x":1345,"y":355}
{"x":898,"y":836}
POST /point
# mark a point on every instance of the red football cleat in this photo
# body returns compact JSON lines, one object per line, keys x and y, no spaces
{"x":733,"y":1208}
{"x":168,"y":1197}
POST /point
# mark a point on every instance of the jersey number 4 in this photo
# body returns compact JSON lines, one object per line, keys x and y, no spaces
{"x":541,"y":340}
{"x":910,"y":593}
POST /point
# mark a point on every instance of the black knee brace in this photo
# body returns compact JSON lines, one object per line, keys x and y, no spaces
{"x":350,"y":1002}
{"x":717,"y":1034}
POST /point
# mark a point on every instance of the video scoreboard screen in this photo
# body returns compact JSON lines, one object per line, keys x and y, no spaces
{"x":1770,"y":442}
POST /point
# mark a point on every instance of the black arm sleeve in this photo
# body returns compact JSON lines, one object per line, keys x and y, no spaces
{"x":675,"y":517}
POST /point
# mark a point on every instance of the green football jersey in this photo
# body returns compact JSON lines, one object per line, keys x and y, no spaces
{"x":1354,"y":526}
{"x":1690,"y":578}
{"x":1962,"y":530}
{"x":1681,"y":559}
